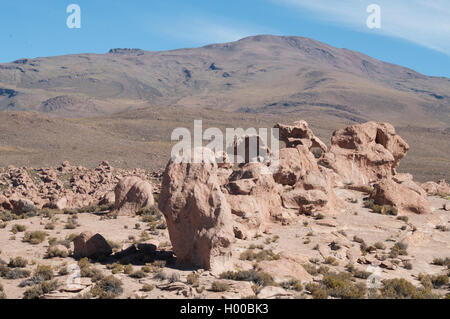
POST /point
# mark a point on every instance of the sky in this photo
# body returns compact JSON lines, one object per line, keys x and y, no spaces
{"x":412,"y":33}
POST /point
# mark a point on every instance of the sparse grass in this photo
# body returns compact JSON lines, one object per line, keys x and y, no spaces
{"x":18,"y":262}
{"x":16,"y":228}
{"x":380,"y":245}
{"x":399,"y":249}
{"x":266,"y":254}
{"x":54,"y":251}
{"x":193,"y":279}
{"x":292,"y":284}
{"x":331,"y":261}
{"x":340,"y":285}
{"x":109,"y":287}
{"x":403,"y":289}
{"x":258,"y":277}
{"x":381,"y":209}
{"x":218,"y":286}
{"x":441,"y":261}
{"x":147,"y":287}
{"x":317,"y":291}
{"x":41,"y":289}
{"x":138,"y":274}
{"x":442,"y":228}
{"x":35,"y":237}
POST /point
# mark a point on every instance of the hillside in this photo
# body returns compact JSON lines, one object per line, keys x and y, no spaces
{"x":122,"y":105}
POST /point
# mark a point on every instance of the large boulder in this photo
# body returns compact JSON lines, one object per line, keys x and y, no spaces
{"x":88,"y":245}
{"x":131,"y":194}
{"x":254,"y":199}
{"x":407,"y":197}
{"x":440,"y":188}
{"x":197,"y":213}
{"x":299,"y":134}
{"x":365,"y":153}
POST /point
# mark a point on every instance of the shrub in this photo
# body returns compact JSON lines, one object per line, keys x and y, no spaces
{"x":109,"y":287}
{"x":380,"y":245}
{"x":358,"y":240}
{"x":403,"y":289}
{"x":17,"y":273}
{"x":43,"y":272}
{"x":41,"y":289}
{"x":331,"y":261}
{"x":292,"y":284}
{"x":340,"y":285}
{"x":138,"y":274}
{"x":193,"y":279}
{"x":147,"y":288}
{"x":174,"y":277}
{"x":18,"y":228}
{"x":259,"y":256}
{"x":35,"y":237}
{"x":398,"y":249}
{"x":18,"y":262}
{"x":317,"y":292}
{"x":128,"y":269}
{"x":439,"y":280}
{"x":442,"y":228}
{"x":258,"y":277}
{"x":49,"y":226}
{"x":218,"y":286}
{"x":403,"y":218}
{"x":54,"y":251}
{"x":441,"y":261}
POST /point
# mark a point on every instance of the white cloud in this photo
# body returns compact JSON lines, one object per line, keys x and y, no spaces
{"x":424,"y":22}
{"x":202,"y":30}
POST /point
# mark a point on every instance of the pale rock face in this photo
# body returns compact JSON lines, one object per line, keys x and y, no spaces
{"x":89,"y":245}
{"x":300,"y":134}
{"x":197,"y":213}
{"x":131,"y":194}
{"x":364,"y":153}
{"x":440,"y":188}
{"x":254,"y":198}
{"x":407,"y":196}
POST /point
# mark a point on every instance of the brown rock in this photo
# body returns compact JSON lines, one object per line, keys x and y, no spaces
{"x":131,"y":194}
{"x":407,"y":197}
{"x":365,"y":153}
{"x":89,"y":245}
{"x":197,"y":213}
{"x":300,"y":134}
{"x":433,"y":188}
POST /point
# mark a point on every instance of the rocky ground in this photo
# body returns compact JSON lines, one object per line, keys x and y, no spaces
{"x":327,"y":223}
{"x":304,"y":251}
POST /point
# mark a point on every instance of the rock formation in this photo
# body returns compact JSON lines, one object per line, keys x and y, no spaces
{"x":131,"y":194}
{"x":197,"y":213}
{"x":365,"y":153}
{"x":88,"y":245}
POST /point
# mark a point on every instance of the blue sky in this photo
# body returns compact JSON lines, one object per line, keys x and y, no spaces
{"x":414,"y":33}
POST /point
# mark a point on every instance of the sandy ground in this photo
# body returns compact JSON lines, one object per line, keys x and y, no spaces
{"x":299,"y":243}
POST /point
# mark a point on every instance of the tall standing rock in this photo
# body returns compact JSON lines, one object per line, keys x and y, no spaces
{"x":197,"y":213}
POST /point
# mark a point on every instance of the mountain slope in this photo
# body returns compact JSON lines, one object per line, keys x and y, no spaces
{"x":261,"y":74}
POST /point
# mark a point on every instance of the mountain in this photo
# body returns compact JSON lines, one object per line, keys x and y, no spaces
{"x":256,"y":74}
{"x":100,"y":106}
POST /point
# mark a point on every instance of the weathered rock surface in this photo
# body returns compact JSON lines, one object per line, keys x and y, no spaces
{"x":88,"y":245}
{"x":408,"y":197}
{"x":131,"y":194}
{"x":197,"y":213}
{"x":440,"y":188}
{"x":365,"y":153}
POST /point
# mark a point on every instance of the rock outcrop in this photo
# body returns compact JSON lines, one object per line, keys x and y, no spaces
{"x":88,"y":245}
{"x":197,"y":213}
{"x":62,"y":187}
{"x":131,"y":194}
{"x":407,"y":197}
{"x":440,"y":188}
{"x":365,"y":153}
